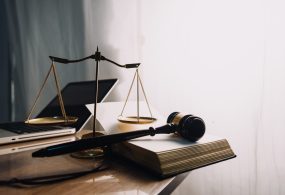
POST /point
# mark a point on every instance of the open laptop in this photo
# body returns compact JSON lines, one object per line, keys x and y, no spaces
{"x":75,"y":96}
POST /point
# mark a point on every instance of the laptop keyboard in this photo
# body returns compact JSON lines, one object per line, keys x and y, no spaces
{"x":21,"y":128}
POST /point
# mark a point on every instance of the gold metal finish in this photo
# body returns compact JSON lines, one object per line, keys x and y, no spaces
{"x":87,"y":154}
{"x":52,"y":120}
{"x":91,"y":153}
{"x":136,"y":119}
{"x":64,"y":119}
{"x":58,"y":92}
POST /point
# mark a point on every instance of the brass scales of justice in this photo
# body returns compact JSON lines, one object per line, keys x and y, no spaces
{"x":65,"y":119}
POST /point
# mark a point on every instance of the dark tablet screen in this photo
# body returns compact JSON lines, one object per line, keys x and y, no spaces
{"x":75,"y":96}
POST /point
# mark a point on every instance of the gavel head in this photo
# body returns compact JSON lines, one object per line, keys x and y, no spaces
{"x":188,"y":126}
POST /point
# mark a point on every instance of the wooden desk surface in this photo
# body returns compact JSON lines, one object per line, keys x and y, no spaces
{"x":120,"y":178}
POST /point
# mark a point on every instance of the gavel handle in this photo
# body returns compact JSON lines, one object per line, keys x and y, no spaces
{"x":100,"y":141}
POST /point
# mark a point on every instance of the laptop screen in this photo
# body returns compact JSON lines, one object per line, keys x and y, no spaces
{"x":75,"y":96}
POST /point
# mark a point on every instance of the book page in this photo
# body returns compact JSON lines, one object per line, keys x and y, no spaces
{"x":164,"y":142}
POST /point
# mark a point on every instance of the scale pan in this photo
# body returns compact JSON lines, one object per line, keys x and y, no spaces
{"x":52,"y":120}
{"x":136,"y":120}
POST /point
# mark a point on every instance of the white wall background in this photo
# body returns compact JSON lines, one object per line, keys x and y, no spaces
{"x":224,"y":61}
{"x":221,"y":60}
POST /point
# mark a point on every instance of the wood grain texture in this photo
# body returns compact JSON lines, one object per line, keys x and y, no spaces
{"x":120,"y":177}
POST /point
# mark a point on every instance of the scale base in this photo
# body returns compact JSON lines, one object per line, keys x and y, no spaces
{"x":52,"y":120}
{"x":136,"y":120}
{"x":90,"y":153}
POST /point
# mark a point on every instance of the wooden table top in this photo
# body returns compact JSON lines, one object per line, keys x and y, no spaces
{"x":121,"y":177}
